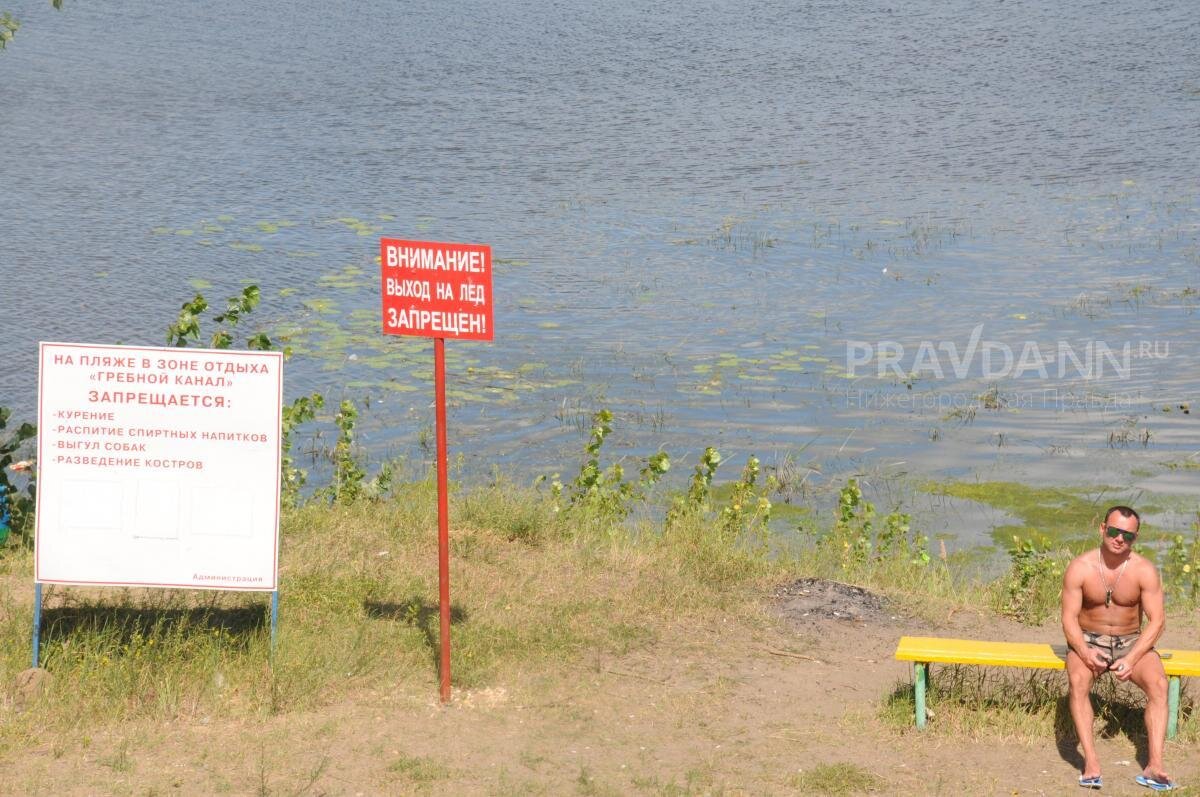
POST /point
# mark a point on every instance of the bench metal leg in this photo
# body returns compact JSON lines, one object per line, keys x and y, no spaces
{"x":920,"y":670}
{"x":1173,"y":707}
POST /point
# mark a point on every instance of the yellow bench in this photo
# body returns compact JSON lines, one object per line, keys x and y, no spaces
{"x":925,"y":650}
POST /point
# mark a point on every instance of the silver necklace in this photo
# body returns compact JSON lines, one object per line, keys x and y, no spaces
{"x":1108,"y":591}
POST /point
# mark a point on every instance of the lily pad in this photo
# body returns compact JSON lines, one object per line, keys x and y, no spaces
{"x":323,"y":306}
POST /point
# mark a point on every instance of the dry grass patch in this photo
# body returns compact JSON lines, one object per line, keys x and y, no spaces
{"x":358,"y":611}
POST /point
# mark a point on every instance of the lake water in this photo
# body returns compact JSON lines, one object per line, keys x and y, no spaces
{"x":712,"y":219}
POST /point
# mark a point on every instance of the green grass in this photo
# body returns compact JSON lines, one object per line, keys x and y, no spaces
{"x":532,"y":589}
{"x":837,"y":779}
{"x":983,"y":702}
{"x":419,"y":769}
{"x":535,"y":588}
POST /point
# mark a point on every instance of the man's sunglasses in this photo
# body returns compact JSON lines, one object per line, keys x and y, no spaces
{"x":1114,"y":532}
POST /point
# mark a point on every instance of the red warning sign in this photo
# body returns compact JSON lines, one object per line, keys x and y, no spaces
{"x":436,"y":290}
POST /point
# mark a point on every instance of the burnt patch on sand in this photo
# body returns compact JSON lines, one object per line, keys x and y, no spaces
{"x":808,"y":600}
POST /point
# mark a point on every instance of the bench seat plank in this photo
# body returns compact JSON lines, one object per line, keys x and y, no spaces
{"x":970,"y":651}
{"x":1181,"y":662}
{"x":938,"y":650}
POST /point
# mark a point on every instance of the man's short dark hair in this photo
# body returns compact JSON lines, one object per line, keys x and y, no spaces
{"x":1124,"y":511}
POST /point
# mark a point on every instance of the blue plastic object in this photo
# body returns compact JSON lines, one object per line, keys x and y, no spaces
{"x":4,"y":517}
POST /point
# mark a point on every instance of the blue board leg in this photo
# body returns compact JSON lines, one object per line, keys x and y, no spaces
{"x":37,"y":621}
{"x":920,"y":669}
{"x":274,"y":619}
{"x":1173,"y":707}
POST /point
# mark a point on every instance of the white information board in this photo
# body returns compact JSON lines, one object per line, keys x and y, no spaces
{"x":158,"y":467}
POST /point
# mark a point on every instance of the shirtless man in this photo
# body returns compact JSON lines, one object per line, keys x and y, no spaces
{"x":1105,"y":593}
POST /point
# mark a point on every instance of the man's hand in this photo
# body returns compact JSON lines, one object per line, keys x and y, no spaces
{"x":1123,"y":669}
{"x":1096,"y":661}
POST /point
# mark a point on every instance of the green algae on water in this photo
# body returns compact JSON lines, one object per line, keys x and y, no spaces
{"x":1061,"y":514}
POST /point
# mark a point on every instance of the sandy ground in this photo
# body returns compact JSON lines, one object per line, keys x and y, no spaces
{"x":706,"y":711}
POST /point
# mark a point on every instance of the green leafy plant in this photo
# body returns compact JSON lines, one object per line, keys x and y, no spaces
{"x":723,"y":539}
{"x":235,"y":308}
{"x":348,"y":474}
{"x":1181,"y":567}
{"x":1030,"y":591}
{"x":741,"y":520}
{"x":384,"y":482}
{"x":853,"y":527}
{"x":898,"y":539}
{"x":293,"y":479}
{"x":16,"y":503}
{"x":8,"y":29}
{"x":9,"y":25}
{"x":349,"y":482}
{"x":749,"y":509}
{"x":604,"y":491}
{"x":859,"y":542}
{"x":187,"y":325}
{"x":696,"y":501}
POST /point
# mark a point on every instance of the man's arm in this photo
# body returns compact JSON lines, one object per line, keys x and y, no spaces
{"x":1152,"y":607}
{"x":1072,"y":605}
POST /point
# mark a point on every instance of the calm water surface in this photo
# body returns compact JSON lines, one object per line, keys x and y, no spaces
{"x":696,"y":213}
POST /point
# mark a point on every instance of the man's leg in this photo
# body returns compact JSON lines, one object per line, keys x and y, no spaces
{"x":1149,"y":675}
{"x":1080,"y":679}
